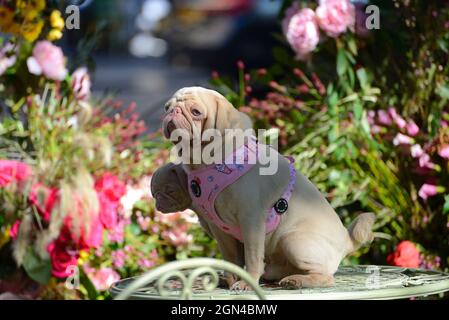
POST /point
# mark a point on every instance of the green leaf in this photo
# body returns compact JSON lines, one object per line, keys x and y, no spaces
{"x":443,"y":91}
{"x":363,"y":78}
{"x":342,"y":62}
{"x":92,"y":292}
{"x":37,"y":268}
{"x":446,"y":204}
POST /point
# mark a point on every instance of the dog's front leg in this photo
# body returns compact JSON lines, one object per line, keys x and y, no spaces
{"x":253,"y":232}
{"x":232,"y":251}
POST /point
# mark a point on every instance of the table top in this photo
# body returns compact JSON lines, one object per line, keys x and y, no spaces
{"x":351,"y":282}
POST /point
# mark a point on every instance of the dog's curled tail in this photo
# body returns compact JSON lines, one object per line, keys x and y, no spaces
{"x":360,"y":230}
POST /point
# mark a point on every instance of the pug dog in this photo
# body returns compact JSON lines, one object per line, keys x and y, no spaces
{"x":309,"y":241}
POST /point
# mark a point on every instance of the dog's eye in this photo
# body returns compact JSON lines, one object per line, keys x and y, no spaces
{"x":196,"y":112}
{"x":166,"y":107}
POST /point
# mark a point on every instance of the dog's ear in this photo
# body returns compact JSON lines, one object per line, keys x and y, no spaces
{"x":228,"y":117}
{"x":181,"y":175}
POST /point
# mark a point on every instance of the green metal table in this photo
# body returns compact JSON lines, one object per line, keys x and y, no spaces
{"x":199,"y":278}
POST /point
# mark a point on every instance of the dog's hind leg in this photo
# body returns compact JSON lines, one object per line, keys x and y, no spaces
{"x":313,"y":258}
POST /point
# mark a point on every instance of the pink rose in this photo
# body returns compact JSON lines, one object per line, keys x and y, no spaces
{"x":102,"y":279}
{"x":402,"y":139}
{"x":406,"y":255}
{"x":301,"y":31}
{"x":444,"y":151}
{"x":412,"y":128}
{"x":13,"y":171}
{"x":7,"y":57}
{"x":429,"y":190}
{"x":47,"y":59}
{"x":335,"y":16}
{"x":81,"y":83}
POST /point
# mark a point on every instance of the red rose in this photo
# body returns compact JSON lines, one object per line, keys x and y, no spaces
{"x":13,"y":171}
{"x":62,"y":258}
{"x":406,"y":255}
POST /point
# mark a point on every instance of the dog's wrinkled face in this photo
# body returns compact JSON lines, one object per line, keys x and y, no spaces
{"x":169,"y":188}
{"x":195,"y":109}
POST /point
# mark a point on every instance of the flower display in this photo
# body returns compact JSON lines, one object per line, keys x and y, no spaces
{"x":335,"y":16}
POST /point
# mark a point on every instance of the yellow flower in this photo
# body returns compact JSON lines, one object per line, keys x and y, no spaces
{"x":6,"y":17}
{"x":54,"y":35}
{"x":4,"y":237}
{"x":31,"y":15}
{"x":37,"y":5}
{"x":31,"y":30}
{"x":56,"y":20}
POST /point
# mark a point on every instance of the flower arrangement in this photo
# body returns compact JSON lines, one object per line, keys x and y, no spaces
{"x":76,"y":211}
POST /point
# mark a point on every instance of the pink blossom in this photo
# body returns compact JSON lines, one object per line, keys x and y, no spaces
{"x":47,"y":59}
{"x":416,"y":151}
{"x":117,"y":234}
{"x":14,"y":231}
{"x":412,"y":128}
{"x":118,"y":258}
{"x":81,"y":83}
{"x":95,"y":237}
{"x":7,"y":57}
{"x":335,"y":16}
{"x":145,"y":263}
{"x":384,"y":117}
{"x":400,"y":122}
{"x":103,"y":278}
{"x":144,"y":222}
{"x":444,"y":151}
{"x":402,"y":139}
{"x":376,"y":129}
{"x":13,"y":171}
{"x":428,"y":190}
{"x":424,"y":161}
{"x":370,"y":116}
{"x":177,"y":236}
{"x":301,"y":31}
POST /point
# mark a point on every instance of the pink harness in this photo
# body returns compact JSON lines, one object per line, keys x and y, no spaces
{"x":206,"y":184}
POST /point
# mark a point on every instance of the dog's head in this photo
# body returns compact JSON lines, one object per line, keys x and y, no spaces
{"x":169,"y":188}
{"x":195,"y":109}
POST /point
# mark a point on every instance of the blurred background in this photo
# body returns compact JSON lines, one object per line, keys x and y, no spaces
{"x":147,"y":49}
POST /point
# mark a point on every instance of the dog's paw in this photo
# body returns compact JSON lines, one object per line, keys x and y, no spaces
{"x":291,"y":282}
{"x":241,"y":286}
{"x":227,"y":280}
